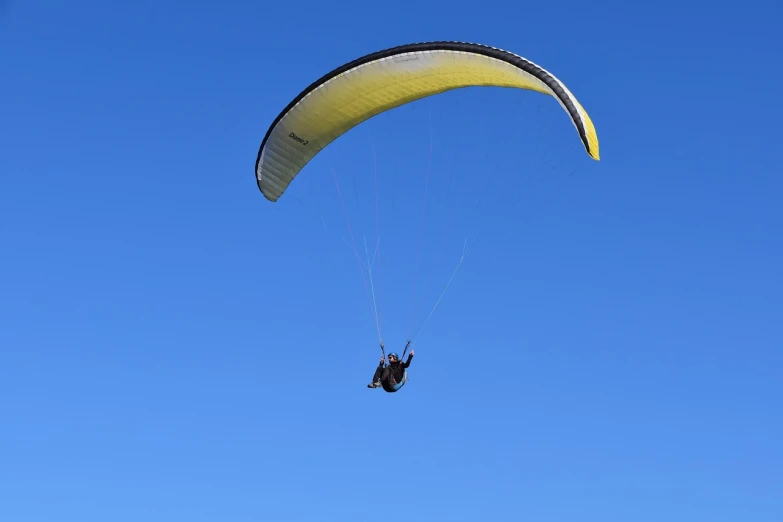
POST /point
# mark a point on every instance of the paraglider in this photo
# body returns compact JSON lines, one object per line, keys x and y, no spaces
{"x":394,"y":376}
{"x":370,"y":85}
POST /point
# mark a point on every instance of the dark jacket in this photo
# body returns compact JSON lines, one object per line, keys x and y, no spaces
{"x":393,"y":372}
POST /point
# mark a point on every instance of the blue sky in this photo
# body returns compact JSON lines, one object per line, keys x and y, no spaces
{"x":176,"y":347}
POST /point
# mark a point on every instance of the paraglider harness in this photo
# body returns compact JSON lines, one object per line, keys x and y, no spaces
{"x":392,"y":385}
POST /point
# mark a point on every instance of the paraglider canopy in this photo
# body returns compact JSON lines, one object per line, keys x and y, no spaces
{"x":367,"y":86}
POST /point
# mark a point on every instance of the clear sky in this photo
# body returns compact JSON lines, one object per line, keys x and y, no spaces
{"x":175,"y":347}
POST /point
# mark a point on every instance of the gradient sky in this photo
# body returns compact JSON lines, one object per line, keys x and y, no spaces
{"x":175,"y":347}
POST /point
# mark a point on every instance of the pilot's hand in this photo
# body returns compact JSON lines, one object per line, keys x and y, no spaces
{"x":411,"y":353}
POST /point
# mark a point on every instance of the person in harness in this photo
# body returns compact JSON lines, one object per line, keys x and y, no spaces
{"x":393,"y":373}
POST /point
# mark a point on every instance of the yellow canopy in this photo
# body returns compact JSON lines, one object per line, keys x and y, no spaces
{"x":380,"y":81}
